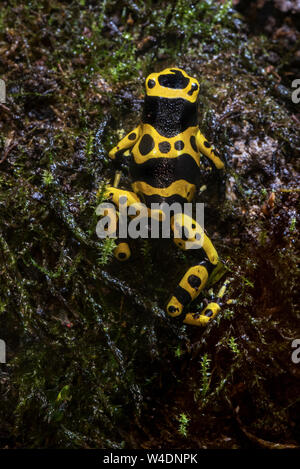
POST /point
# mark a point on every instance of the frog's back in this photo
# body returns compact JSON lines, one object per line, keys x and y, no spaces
{"x":165,"y":159}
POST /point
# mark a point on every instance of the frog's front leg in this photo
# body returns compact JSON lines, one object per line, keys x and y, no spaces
{"x":207,"y":149}
{"x":126,"y":143}
{"x":188,"y":235}
{"x":122,"y":200}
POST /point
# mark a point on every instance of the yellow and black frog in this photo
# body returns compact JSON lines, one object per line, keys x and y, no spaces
{"x":165,"y":153}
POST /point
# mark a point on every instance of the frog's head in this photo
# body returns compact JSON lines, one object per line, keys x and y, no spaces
{"x":172,"y":83}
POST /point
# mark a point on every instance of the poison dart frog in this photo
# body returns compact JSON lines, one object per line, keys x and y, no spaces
{"x":165,"y":153}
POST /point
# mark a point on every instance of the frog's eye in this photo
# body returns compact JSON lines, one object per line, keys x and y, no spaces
{"x":151,"y":83}
{"x":194,"y":88}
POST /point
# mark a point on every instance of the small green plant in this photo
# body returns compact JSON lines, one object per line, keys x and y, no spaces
{"x":47,"y":177}
{"x":124,"y":60}
{"x":101,"y":194}
{"x":2,"y":306}
{"x":89,"y":146}
{"x":81,"y":201}
{"x":183,"y":424}
{"x":106,"y":250}
{"x":263,"y":237}
{"x":205,"y":379}
{"x":228,"y":314}
{"x":264,"y":192}
{"x":178,"y":352}
{"x":293,"y":224}
{"x":64,"y":394}
{"x":244,"y":279}
{"x":223,"y":12}
{"x":2,"y":19}
{"x":205,"y":374}
{"x":233,"y":345}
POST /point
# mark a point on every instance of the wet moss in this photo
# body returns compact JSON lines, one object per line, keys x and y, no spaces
{"x":91,"y":355}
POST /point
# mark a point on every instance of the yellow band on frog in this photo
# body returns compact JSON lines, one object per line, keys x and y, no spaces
{"x":179,"y":187}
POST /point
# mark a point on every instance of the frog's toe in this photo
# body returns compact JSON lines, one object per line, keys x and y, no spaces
{"x":174,"y":307}
{"x":196,"y":319}
{"x":203,"y":318}
{"x":109,"y":192}
{"x":122,"y":252}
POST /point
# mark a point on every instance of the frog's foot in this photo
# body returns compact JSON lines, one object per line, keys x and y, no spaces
{"x":209,"y":312}
{"x":121,"y":200}
{"x":174,"y":307}
{"x":203,"y":318}
{"x":122,"y":251}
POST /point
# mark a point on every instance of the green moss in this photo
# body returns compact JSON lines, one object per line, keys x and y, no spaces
{"x":90,"y":349}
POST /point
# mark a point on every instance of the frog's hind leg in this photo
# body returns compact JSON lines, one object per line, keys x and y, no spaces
{"x":209,"y":312}
{"x":122,"y":250}
{"x":122,"y":199}
{"x":188,"y":235}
